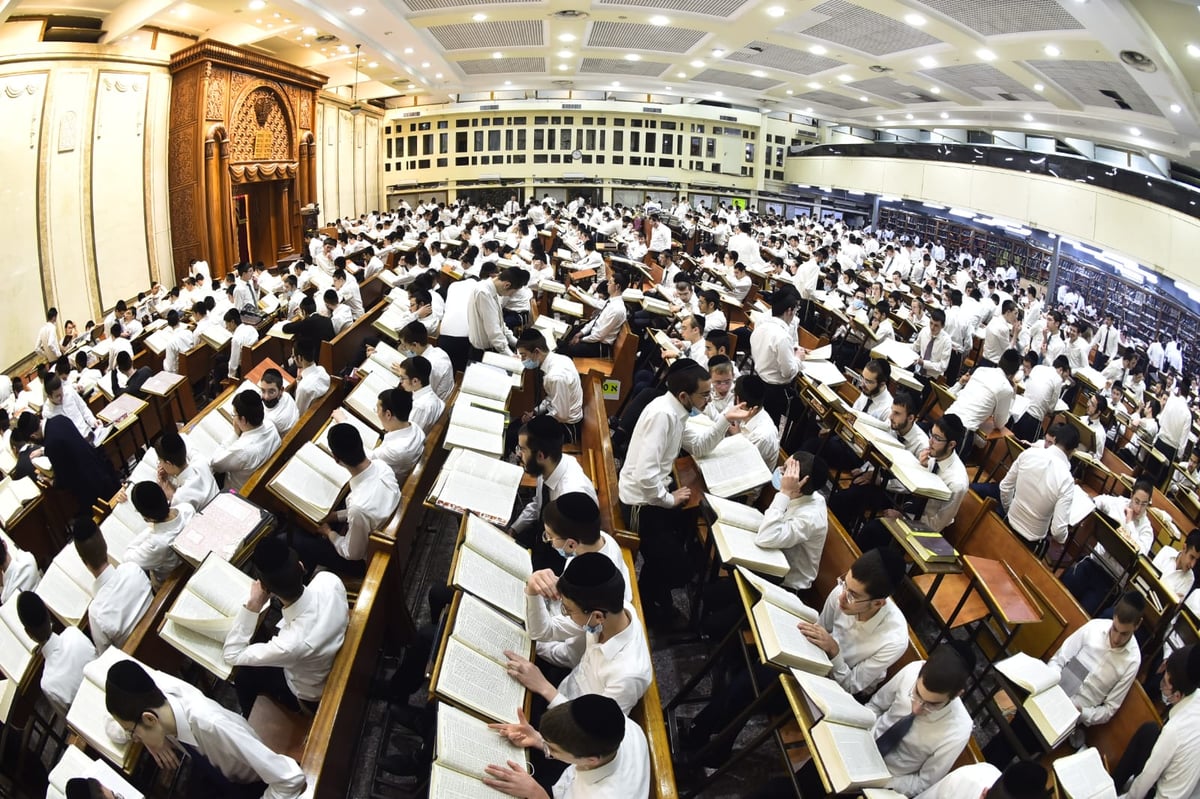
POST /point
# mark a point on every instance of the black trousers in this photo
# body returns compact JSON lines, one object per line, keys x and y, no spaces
{"x":315,"y":551}
{"x":1137,"y":752}
{"x":457,"y":347}
{"x":777,"y":399}
{"x":663,"y":534}
{"x":255,"y":681}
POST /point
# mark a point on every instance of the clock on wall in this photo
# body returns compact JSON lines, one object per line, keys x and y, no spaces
{"x":577,"y":155}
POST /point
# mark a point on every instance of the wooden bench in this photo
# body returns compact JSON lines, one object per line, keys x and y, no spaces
{"x":345,"y":347}
{"x":619,"y":367}
{"x":599,"y":463}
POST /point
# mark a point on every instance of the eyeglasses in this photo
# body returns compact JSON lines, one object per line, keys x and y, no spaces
{"x":925,"y":703}
{"x":937,"y":438}
{"x":851,"y":595}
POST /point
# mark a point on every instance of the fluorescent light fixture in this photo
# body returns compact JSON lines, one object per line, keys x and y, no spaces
{"x":357,"y":11}
{"x":1176,"y":108}
{"x":1051,"y":51}
{"x":985,"y":54}
{"x":632,"y":57}
{"x":479,"y":17}
{"x":927,"y":61}
{"x":916,"y":20}
{"x":1038,"y":87}
{"x":1135,"y":132}
{"x":776,"y":11}
{"x":566,"y":37}
{"x":817,"y":49}
{"x":659,"y":20}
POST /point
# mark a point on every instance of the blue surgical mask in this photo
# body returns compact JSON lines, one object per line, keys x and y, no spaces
{"x":592,"y":628}
{"x":694,"y":411}
{"x":530,"y":364}
{"x":563,"y":551}
{"x":777,"y":478}
{"x":857,"y":304}
{"x":409,"y":353}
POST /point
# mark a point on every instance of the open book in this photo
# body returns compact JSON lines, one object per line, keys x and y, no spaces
{"x":476,"y":483}
{"x":775,"y":616}
{"x":88,"y":715}
{"x":475,"y":428}
{"x":122,"y":525}
{"x":492,"y":566}
{"x":16,"y":648}
{"x":157,"y":341}
{"x":215,"y":336}
{"x":209,"y":434}
{"x":1083,"y":776}
{"x":464,"y":746}
{"x":204,"y":611}
{"x":906,"y":468}
{"x":1049,"y":707}
{"x":15,"y":494}
{"x":363,"y":399}
{"x":483,"y":380}
{"x":74,"y":763}
{"x":395,"y":316}
{"x":222,"y":527}
{"x":67,"y":586}
{"x":478,"y":682}
{"x":509,"y":363}
{"x":665,"y":344}
{"x":843,"y":735}
{"x":370,"y":436}
{"x":822,"y":371}
{"x":584,"y":298}
{"x":734,"y":531}
{"x":569,"y":307}
{"x":899,"y":353}
{"x":311,"y":482}
{"x":161,"y":384}
{"x":733,"y":467}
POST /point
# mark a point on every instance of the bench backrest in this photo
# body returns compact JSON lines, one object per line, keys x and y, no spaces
{"x":344,"y":349}
{"x":305,"y":429}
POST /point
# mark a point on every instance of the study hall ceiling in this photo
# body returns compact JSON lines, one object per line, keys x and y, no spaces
{"x":1046,"y":66}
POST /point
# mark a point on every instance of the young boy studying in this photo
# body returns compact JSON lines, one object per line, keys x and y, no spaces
{"x":121,"y":594}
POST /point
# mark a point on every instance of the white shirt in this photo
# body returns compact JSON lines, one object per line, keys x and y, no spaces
{"x":798,"y":527}
{"x":935,"y":740}
{"x":1110,"y":672}
{"x":879,"y":405}
{"x":284,"y":415}
{"x":74,"y":408}
{"x":1179,"y":581}
{"x":485,"y":320}
{"x":120,"y":344}
{"x":65,"y":654}
{"x":1042,"y":388}
{"x":458,"y":300}
{"x":22,"y":573}
{"x":774,"y":352}
{"x":605,"y":326}
{"x":965,"y":782}
{"x":151,"y":549}
{"x":567,"y":477}
{"x":1175,"y":422}
{"x":181,"y":341}
{"x":940,"y":513}
{"x":311,"y":385}
{"x":1173,"y":768}
{"x":997,"y":338}
{"x":1139,"y":532}
{"x":619,"y":668}
{"x":229,"y":743}
{"x":47,"y":346}
{"x":400,"y":450}
{"x":120,"y":597}
{"x":351,"y":296}
{"x":239,"y":458}
{"x":865,"y":648}
{"x":660,"y":432}
{"x":441,"y":376}
{"x":626,"y":775}
{"x":987,"y":394}
{"x":374,"y":495}
{"x":763,"y":433}
{"x":244,"y":336}
{"x":308,"y":640}
{"x":939,"y":357}
{"x":341,"y":317}
{"x":564,"y":393}
{"x":427,"y":407}
{"x":1037,"y":493}
{"x":194,"y":486}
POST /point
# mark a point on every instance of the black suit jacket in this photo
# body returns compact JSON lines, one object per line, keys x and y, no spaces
{"x":315,"y":327}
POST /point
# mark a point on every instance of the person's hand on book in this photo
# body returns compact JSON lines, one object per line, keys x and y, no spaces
{"x":819,"y":637}
{"x":543,"y":583}
{"x":521,"y":734}
{"x":338,"y":415}
{"x":259,"y":597}
{"x":514,"y":780}
{"x":680,"y":496}
{"x":525,"y":672}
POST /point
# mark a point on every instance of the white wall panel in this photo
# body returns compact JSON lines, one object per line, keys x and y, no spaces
{"x":118,"y":186}
{"x":1063,"y":207}
{"x":344,"y":176}
{"x":68,"y":251}
{"x":371,"y":168}
{"x":22,"y":99}
{"x":951,"y":186}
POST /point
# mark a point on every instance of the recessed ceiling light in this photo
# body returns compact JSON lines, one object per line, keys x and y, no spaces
{"x":277,"y":15}
{"x":808,"y":110}
{"x":479,"y":17}
{"x":632,"y":57}
{"x":257,"y":5}
{"x":308,"y":44}
{"x":616,"y":84}
{"x":758,"y":73}
{"x":717,"y":52}
{"x":425,"y":64}
{"x":916,"y":20}
{"x":299,"y":38}
{"x":817,"y":49}
{"x":1037,"y":87}
{"x":935,"y":89}
{"x":357,"y":11}
{"x":681,"y":74}
{"x":1176,"y":107}
{"x":789,"y":91}
{"x":813,"y":85}
{"x":343,"y":48}
{"x":908,"y":116}
{"x":309,"y":31}
{"x":566,"y":37}
{"x":438,"y":76}
{"x":879,"y":118}
{"x":776,"y":11}
{"x":270,"y":25}
{"x":666,"y":88}
{"x":1134,"y":132}
{"x":564,"y":54}
{"x":659,"y":20}
{"x":508,"y":83}
{"x":1193,"y":51}
{"x":497,"y":54}
{"x":285,"y":19}
{"x":862,"y":98}
{"x":1028,"y":117}
{"x":412,"y":86}
{"x":372,"y":65}
{"x":985,"y":54}
{"x":928,"y":61}
{"x":1051,"y":51}
{"x":844,"y":78}
{"x":717,"y":94}
{"x":408,"y":51}
{"x":697,"y":63}
{"x":944,"y":115}
{"x":563,"y":67}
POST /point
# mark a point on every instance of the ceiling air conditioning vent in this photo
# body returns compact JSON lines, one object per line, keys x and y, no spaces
{"x":572,"y":106}
{"x":879,"y":68}
{"x":565,"y":84}
{"x":71,"y":28}
{"x":1139,"y":61}
{"x":728,"y":118}
{"x":570,"y":13}
{"x":493,"y":107}
{"x":411,"y":114}
{"x":326,"y":38}
{"x":649,"y":109}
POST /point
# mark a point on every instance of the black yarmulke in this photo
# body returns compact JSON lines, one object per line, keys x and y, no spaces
{"x":83,"y":528}
{"x":1193,"y":664}
{"x":590,"y":570}
{"x":79,"y":788}
{"x":31,"y":610}
{"x":271,"y":555}
{"x":599,"y":716}
{"x":128,"y":677}
{"x":1024,"y":778}
{"x":577,"y":506}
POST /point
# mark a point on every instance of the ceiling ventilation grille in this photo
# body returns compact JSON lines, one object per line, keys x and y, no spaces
{"x":74,"y":29}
